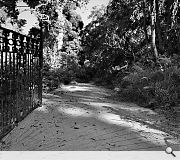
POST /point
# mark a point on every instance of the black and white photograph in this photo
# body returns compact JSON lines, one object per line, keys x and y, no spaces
{"x":90,"y":75}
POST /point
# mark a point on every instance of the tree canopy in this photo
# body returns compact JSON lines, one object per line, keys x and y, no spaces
{"x":132,"y":44}
{"x":132,"y":30}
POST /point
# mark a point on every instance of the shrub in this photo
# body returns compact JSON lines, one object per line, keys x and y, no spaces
{"x":82,"y":75}
{"x":157,"y":88}
{"x":52,"y":78}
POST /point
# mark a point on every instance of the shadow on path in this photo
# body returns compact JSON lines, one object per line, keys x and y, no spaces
{"x":80,"y":117}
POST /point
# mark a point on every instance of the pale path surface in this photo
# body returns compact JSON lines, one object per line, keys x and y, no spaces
{"x":80,"y":118}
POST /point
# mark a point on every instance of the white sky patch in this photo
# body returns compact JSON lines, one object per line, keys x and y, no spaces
{"x":26,"y":14}
{"x":86,"y":10}
{"x":31,"y":20}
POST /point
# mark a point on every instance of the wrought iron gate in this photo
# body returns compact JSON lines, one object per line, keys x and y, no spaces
{"x":20,"y":77}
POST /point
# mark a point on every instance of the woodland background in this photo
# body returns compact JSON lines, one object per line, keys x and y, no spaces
{"x":131,"y":46}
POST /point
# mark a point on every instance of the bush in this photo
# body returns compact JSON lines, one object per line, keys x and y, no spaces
{"x":154,"y":89}
{"x":82,"y":75}
{"x":52,"y":78}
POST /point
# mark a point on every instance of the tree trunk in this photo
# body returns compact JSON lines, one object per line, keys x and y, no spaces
{"x":174,"y":12}
{"x":59,"y":8}
{"x":168,"y":8}
{"x":153,"y":28}
{"x":158,"y":28}
{"x":60,"y":35}
{"x":145,"y":30}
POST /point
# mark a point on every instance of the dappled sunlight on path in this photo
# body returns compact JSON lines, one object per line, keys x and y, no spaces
{"x":96,"y":106}
{"x":81,"y":117}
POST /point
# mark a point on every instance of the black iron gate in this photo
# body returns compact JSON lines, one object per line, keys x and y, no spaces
{"x":20,"y":77}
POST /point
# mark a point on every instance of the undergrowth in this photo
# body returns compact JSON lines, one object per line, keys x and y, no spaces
{"x":155,"y":89}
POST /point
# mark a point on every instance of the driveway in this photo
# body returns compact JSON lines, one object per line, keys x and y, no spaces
{"x":81,"y":117}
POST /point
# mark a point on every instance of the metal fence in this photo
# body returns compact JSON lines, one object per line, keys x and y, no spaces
{"x":20,"y":78}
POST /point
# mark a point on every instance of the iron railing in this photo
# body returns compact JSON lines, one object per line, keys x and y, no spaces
{"x":20,"y":77}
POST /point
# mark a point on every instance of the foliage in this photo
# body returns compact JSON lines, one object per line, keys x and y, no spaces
{"x":97,"y":12}
{"x":63,"y":62}
{"x":130,"y":44}
{"x":59,"y":65}
{"x":54,"y":78}
{"x":125,"y":30}
{"x":10,"y":6}
{"x":133,"y":45}
{"x":154,"y":89}
{"x":7,"y":21}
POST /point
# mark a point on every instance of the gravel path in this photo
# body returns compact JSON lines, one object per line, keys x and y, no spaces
{"x":80,"y":117}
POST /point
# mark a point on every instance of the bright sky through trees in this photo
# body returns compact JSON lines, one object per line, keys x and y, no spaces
{"x":84,"y":12}
{"x":27,"y":15}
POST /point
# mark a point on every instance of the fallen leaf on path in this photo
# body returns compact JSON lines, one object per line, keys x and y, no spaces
{"x":93,"y":139}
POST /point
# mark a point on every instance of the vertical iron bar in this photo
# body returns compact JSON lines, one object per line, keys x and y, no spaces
{"x":10,"y":80}
{"x":18,"y":58}
{"x":6,"y":106}
{"x":31,"y":74}
{"x":2,"y":83}
{"x":22,"y":76}
{"x":14,"y":78}
{"x":40,"y":63}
